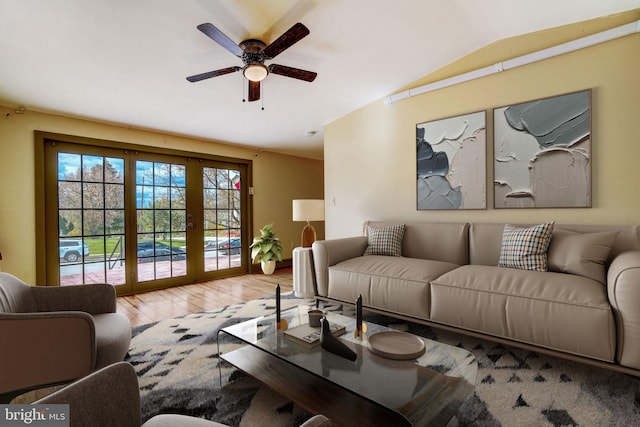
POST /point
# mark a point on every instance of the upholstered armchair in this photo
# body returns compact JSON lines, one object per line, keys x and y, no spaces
{"x":111,"y":397}
{"x":52,"y":335}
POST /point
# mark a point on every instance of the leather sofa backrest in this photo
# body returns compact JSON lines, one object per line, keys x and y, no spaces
{"x":448,"y":242}
{"x":485,"y":240}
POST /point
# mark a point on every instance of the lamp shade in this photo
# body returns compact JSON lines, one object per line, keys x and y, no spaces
{"x":255,"y":72}
{"x":308,"y":210}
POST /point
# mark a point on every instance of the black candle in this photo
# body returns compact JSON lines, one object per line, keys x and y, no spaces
{"x":278,"y":306}
{"x":359,"y":315}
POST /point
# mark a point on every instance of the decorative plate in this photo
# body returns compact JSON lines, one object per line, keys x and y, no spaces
{"x":396,"y":345}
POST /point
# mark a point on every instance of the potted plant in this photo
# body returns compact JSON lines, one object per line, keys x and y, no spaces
{"x":267,"y":249}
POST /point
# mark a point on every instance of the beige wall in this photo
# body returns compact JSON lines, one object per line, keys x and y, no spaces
{"x":277,"y":180}
{"x":370,"y":157}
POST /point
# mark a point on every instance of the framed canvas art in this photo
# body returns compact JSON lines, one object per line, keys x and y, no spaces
{"x":451,"y":163}
{"x":542,"y":153}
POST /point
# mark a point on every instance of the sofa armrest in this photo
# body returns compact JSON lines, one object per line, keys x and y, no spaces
{"x":93,"y":299}
{"x":623,"y":287}
{"x":330,"y":252}
{"x":38,"y":349}
{"x":108,"y":396}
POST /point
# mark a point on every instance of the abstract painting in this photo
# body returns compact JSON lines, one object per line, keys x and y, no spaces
{"x":451,"y":163}
{"x":542,"y":153}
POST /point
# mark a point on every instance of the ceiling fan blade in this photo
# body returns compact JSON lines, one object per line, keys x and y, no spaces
{"x":254,"y":91}
{"x":286,"y":40}
{"x":215,"y":73}
{"x":295,"y":73}
{"x":219,"y":37}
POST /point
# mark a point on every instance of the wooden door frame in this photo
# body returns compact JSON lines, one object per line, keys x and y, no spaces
{"x":45,"y":260}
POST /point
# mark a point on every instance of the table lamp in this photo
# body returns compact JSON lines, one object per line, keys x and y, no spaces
{"x":308,"y":210}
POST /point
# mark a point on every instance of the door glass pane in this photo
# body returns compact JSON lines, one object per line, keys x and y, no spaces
{"x":221,"y":213}
{"x":161,"y":220}
{"x":89,"y":223}
{"x":90,"y":237}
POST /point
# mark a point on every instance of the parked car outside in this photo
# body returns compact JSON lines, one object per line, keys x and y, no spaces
{"x":230,"y":247}
{"x":71,"y":250}
{"x":162,"y":252}
{"x":210,"y":243}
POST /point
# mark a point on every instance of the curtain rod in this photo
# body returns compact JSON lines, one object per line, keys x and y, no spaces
{"x":597,"y":38}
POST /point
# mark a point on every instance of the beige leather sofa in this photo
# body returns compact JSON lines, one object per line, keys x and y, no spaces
{"x":448,"y":277}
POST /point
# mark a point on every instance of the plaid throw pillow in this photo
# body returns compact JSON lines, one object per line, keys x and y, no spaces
{"x":385,"y":240}
{"x":525,"y":248}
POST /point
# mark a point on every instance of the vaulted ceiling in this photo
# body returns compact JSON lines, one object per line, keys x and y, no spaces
{"x":125,"y":62}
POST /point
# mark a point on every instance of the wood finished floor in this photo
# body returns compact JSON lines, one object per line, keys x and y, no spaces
{"x":168,"y":303}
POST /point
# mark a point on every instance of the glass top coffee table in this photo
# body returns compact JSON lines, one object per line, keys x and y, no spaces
{"x":370,"y":391}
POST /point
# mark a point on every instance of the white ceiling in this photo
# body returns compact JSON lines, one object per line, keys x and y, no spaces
{"x":125,"y":61}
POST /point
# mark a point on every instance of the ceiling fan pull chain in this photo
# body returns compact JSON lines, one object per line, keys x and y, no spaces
{"x":262,"y":95}
{"x":244,"y":93}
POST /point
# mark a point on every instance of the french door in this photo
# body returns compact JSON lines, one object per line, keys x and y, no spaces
{"x":141,"y":220}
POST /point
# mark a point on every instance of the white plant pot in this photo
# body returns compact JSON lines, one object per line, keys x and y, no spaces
{"x":268,"y":267}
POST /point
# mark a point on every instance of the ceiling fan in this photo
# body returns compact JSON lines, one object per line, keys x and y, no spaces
{"x":253,"y":54}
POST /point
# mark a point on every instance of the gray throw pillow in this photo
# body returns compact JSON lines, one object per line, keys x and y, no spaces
{"x":584,"y":254}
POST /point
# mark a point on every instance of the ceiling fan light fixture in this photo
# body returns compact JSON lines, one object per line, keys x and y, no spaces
{"x":255,"y":72}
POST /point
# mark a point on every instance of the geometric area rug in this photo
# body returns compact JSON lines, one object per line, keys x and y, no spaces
{"x":177,"y":365}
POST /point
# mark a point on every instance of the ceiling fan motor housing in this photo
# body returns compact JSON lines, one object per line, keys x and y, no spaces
{"x":253,"y":51}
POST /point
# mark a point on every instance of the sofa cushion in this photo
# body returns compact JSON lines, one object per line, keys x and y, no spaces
{"x":525,"y":248}
{"x":448,"y":242}
{"x":385,"y":240}
{"x":583,"y":254}
{"x":555,"y":310}
{"x":395,"y":284}
{"x":485,"y":240}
